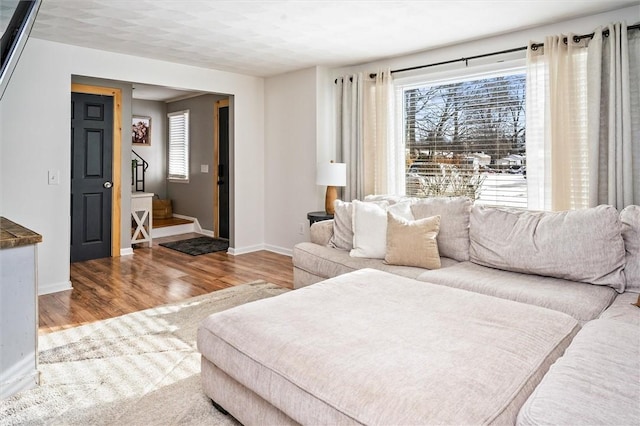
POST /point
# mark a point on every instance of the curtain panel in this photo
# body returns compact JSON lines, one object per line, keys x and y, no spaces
{"x":583,"y":137}
{"x":366,"y":135}
{"x":349,"y":133}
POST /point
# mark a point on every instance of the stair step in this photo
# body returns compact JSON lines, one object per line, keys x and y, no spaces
{"x":172,"y":221}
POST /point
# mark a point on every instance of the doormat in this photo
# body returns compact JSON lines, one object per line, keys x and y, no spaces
{"x":197,"y":246}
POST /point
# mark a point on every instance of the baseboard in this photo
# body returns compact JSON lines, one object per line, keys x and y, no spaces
{"x":279,"y":250}
{"x":54,"y":287}
{"x":260,"y":247}
{"x":207,"y":233}
{"x":244,"y":250}
{"x":126,"y":251}
{"x":168,"y":231}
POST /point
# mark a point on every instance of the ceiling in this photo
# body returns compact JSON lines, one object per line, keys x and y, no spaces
{"x":269,"y":37}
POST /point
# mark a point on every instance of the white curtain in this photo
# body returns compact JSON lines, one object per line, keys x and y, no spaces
{"x":614,"y":117}
{"x":583,"y":138}
{"x":384,"y":166}
{"x":366,"y":130}
{"x":349,"y":133}
{"x":557,"y":164}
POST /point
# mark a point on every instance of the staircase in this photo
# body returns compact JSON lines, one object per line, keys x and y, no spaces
{"x":161,"y":227}
{"x":138,"y":168}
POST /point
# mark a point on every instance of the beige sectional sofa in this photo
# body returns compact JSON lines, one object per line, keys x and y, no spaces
{"x":529,"y":320}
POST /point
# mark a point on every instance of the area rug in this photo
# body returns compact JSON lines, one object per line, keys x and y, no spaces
{"x":138,"y":369}
{"x":197,"y":246}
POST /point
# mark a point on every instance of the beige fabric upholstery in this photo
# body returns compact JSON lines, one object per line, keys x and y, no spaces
{"x":596,"y":382}
{"x":439,"y":356}
{"x":584,"y":302}
{"x":630,"y":218}
{"x":624,"y":309}
{"x":302,"y":278}
{"x":325,"y":262}
{"x":412,"y":242}
{"x":321,"y":232}
{"x":342,"y":233}
{"x":579,"y":245}
{"x":238,"y":400}
{"x":453,"y":239}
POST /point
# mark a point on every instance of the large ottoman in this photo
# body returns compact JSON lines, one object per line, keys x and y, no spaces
{"x":370,"y":347}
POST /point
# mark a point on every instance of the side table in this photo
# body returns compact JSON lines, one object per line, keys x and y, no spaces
{"x":318,"y":217}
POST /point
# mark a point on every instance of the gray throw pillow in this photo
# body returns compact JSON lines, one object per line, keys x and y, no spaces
{"x":453,"y":237}
{"x":630,"y":218}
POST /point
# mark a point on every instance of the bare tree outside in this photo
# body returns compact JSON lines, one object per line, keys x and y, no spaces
{"x":468,"y":138}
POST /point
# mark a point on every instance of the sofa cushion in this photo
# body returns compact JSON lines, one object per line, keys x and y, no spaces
{"x":326,"y":262}
{"x":375,"y":348}
{"x":579,"y":245}
{"x":625,"y":308}
{"x":453,"y":238}
{"x":630,"y":218}
{"x":595,"y":382}
{"x":412,"y":242}
{"x":581,"y":301}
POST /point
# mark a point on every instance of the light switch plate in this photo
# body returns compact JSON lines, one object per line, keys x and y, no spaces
{"x":204,"y":168}
{"x":54,"y":177}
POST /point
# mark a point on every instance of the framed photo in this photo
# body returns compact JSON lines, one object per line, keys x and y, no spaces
{"x":141,"y":130}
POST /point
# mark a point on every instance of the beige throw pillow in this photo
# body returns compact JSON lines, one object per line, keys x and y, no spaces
{"x":412,"y":242}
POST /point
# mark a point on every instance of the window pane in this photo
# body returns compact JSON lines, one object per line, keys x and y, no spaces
{"x":468,"y":138}
{"x":179,"y":145}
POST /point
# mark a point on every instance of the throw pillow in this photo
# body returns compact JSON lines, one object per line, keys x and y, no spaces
{"x":342,"y":229}
{"x":369,"y":230}
{"x":412,"y":242}
{"x":453,"y":238}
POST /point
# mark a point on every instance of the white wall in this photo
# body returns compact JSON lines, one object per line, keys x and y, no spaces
{"x":35,"y":137}
{"x":291,"y":138}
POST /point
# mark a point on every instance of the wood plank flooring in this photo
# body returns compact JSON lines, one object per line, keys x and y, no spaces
{"x":105,"y":288}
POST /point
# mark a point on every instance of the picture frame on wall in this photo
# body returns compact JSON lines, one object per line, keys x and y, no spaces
{"x":141,"y":130}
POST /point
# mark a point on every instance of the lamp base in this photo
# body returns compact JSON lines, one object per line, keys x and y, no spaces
{"x":332,"y":195}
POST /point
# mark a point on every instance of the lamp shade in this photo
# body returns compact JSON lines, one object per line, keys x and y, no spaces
{"x":332,"y":174}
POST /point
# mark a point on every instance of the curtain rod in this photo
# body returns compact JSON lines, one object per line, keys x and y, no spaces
{"x":534,"y":46}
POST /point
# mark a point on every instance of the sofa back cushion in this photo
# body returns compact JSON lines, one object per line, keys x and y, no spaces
{"x":630,"y":218}
{"x":453,"y":238}
{"x":580,"y":245}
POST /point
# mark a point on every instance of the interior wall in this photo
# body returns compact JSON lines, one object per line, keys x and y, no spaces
{"x":156,"y":153}
{"x":195,"y":198}
{"x":35,"y":134}
{"x":291,"y":138}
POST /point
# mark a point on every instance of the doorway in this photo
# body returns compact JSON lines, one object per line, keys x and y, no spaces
{"x":221,"y":160}
{"x":95,"y":172}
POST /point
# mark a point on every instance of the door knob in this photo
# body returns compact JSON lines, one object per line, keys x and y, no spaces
{"x":107,"y":184}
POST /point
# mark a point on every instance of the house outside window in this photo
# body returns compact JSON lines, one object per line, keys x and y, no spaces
{"x":178,"y":164}
{"x":467,"y":137}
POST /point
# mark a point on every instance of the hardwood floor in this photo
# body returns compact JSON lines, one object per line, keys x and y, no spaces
{"x":105,"y":288}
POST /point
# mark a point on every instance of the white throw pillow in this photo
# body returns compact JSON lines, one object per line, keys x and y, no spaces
{"x":370,"y":226}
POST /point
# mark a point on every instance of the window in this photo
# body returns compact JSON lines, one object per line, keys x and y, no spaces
{"x":467,"y":137}
{"x":179,"y":146}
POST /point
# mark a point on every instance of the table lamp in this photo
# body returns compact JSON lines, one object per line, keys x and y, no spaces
{"x":331,"y":175}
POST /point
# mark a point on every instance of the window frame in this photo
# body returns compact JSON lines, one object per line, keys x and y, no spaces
{"x":453,"y":74}
{"x":185,"y":146}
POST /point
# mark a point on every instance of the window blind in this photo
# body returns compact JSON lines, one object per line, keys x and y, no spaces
{"x":179,"y":145}
{"x":467,"y":137}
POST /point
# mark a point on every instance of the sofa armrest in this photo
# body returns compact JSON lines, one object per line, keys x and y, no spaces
{"x":321,"y":232}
